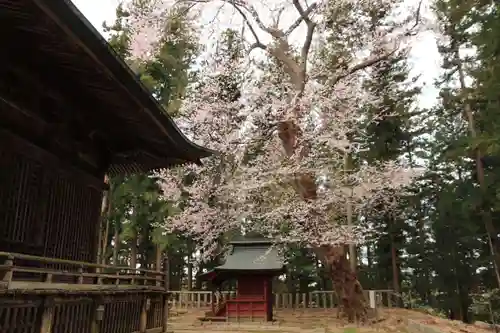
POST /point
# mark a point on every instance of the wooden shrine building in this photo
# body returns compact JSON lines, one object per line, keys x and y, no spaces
{"x":252,"y":263}
{"x":70,"y":112}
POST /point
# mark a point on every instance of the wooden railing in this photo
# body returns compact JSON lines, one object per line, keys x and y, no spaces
{"x":314,"y":299}
{"x":27,"y":272}
{"x":41,"y":294}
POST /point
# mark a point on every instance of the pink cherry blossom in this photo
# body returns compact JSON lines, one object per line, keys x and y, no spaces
{"x":263,"y":193}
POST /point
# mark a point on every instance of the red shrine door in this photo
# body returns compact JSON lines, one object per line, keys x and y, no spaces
{"x":251,"y":287}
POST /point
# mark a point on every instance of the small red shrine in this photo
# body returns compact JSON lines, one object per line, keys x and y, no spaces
{"x":252,"y":263}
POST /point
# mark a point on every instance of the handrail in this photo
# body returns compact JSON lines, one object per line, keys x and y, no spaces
{"x":12,"y":255}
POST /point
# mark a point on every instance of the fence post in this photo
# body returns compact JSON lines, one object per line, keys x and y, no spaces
{"x":47,"y":315}
{"x":8,"y":273}
{"x":371,"y":297}
{"x":165,"y":311}
{"x":98,"y":316}
{"x":143,"y":321}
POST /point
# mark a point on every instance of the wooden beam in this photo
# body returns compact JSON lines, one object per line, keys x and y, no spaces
{"x":73,"y":121}
{"x":15,"y":116}
{"x":34,"y":287}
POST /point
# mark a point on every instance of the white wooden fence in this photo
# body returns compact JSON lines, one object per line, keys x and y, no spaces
{"x":314,"y":299}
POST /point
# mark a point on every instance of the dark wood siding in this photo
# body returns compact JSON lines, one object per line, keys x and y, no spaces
{"x":46,"y":209}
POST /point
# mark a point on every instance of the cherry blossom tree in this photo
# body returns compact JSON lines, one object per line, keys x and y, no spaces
{"x":280,"y":167}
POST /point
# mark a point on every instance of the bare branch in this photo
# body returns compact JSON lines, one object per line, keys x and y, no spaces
{"x":239,"y":6}
{"x":257,"y":43}
{"x":304,"y":16}
{"x":278,"y":17}
{"x":384,"y":56}
{"x":276,"y":33}
{"x":364,"y":64}
{"x":411,"y":31}
{"x":282,"y":49}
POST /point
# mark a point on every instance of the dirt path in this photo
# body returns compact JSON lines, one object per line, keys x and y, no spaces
{"x":322,"y":321}
{"x":443,"y":325}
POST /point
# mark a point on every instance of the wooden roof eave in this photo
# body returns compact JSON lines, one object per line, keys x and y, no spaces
{"x":70,"y":19}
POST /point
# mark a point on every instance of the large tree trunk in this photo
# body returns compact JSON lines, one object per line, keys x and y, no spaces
{"x":295,"y":65}
{"x":158,"y":257}
{"x":345,"y":283}
{"x":116,"y":244}
{"x":369,"y":264}
{"x":133,"y":251}
{"x":395,"y":266}
{"x":189,"y":271}
{"x":493,"y":239}
{"x":144,"y":242}
{"x":344,"y":279}
{"x":342,"y":271}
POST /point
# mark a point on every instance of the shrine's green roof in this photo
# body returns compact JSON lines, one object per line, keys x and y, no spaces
{"x":255,"y":257}
{"x":248,"y":256}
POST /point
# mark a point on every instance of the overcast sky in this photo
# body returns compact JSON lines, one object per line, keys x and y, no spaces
{"x":425,"y":57}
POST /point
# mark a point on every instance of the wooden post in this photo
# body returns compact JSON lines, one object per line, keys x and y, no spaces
{"x":165,"y":312}
{"x":98,"y":316}
{"x":143,"y":321}
{"x":117,"y":279}
{"x":133,"y":274}
{"x":79,"y":280}
{"x":166,"y":295}
{"x":47,"y":315}
{"x":371,"y":297}
{"x":166,"y":272}
{"x":7,"y":276}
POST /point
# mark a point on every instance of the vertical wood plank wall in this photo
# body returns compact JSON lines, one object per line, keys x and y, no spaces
{"x":73,"y":314}
{"x":46,"y":210}
{"x":49,"y":209}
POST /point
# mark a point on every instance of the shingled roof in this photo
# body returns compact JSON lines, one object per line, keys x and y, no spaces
{"x":248,"y":256}
{"x":76,"y":70}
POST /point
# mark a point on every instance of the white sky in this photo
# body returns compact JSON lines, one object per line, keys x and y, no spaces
{"x":424,"y":57}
